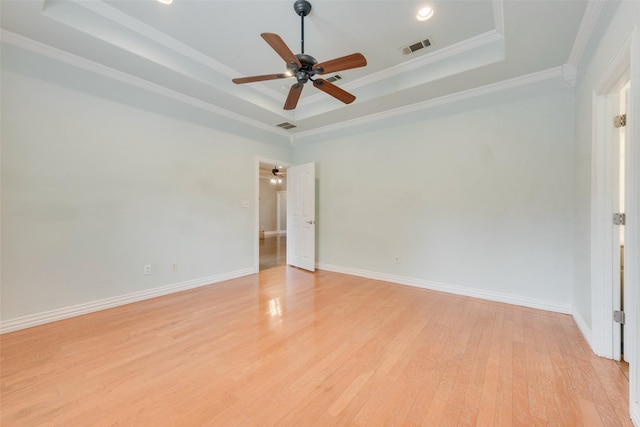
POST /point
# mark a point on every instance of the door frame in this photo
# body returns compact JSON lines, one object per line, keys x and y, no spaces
{"x":256,"y":204}
{"x":624,"y":67}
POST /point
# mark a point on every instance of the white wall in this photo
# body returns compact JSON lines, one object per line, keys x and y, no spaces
{"x":477,"y":196}
{"x":93,"y":189}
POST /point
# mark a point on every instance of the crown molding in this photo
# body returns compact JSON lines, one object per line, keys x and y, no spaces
{"x":588,"y":23}
{"x":293,"y":139}
{"x":94,"y":67}
{"x":552,"y":73}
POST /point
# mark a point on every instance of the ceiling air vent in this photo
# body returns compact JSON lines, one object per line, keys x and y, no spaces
{"x":286,"y":125}
{"x":334,"y":78}
{"x":414,"y":47}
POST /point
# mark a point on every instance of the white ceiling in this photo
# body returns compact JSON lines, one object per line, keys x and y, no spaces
{"x":191,"y":50}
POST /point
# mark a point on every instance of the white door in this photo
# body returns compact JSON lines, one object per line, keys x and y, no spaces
{"x":301,"y":221}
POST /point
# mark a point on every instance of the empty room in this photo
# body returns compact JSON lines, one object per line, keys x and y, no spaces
{"x":319,"y":213}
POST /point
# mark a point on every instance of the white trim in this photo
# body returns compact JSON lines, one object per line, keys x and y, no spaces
{"x":103,"y":304}
{"x":453,"y":289}
{"x":275,"y":233}
{"x":588,"y":23}
{"x":539,"y":76}
{"x":582,"y":326}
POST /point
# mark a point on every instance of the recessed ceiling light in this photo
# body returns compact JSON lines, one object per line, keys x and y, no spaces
{"x":424,"y":13}
{"x":166,"y":1}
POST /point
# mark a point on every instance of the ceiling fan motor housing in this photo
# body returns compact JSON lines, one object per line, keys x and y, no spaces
{"x":304,"y":73}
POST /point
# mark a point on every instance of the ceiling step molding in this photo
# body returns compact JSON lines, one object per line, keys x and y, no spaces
{"x":99,"y":20}
{"x":473,"y":44}
{"x":102,"y":70}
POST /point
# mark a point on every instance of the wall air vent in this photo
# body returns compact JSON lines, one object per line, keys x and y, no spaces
{"x":286,"y":125}
{"x":334,"y":78}
{"x":414,"y":47}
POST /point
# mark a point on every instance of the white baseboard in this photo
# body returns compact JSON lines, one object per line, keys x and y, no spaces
{"x":454,"y":289}
{"x":90,"y":307}
{"x":582,"y":326}
{"x":274,"y":233}
{"x":635,"y":415}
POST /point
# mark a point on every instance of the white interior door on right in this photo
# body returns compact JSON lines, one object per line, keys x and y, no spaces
{"x":301,"y":222}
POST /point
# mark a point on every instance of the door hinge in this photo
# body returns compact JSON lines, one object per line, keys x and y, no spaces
{"x":618,"y":317}
{"x":619,"y":219}
{"x":620,"y":121}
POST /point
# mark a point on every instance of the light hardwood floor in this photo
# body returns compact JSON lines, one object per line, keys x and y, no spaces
{"x":292,"y":348}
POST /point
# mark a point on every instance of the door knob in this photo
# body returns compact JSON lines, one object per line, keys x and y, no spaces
{"x":310,"y":222}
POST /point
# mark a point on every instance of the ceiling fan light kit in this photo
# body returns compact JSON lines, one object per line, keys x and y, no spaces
{"x":305,"y":67}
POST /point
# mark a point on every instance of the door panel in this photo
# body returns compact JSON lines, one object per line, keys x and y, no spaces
{"x":301,"y":224}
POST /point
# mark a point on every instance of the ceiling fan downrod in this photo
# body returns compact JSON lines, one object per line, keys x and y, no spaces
{"x":302,"y":8}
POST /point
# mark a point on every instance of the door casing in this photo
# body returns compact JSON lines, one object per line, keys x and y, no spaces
{"x":624,"y":67}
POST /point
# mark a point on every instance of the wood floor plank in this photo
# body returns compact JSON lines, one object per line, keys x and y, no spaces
{"x":292,"y":348}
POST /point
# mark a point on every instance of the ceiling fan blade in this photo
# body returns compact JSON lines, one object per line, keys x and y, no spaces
{"x":335,"y":91}
{"x":348,"y":62}
{"x":252,"y":79}
{"x":281,"y":48}
{"x":294,"y":95}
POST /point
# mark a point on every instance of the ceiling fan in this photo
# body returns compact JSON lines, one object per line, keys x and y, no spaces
{"x":304,"y":67}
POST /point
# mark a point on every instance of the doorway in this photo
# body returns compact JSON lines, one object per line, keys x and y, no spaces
{"x":608,"y":231}
{"x":272,"y":212}
{"x":607,"y":297}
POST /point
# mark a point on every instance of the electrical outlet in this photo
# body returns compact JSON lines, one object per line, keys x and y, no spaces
{"x":397,"y":259}
{"x":147,"y":269}
{"x":174,"y":266}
